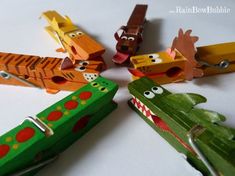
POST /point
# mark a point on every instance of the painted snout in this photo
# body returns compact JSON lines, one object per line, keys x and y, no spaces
{"x":84,"y":47}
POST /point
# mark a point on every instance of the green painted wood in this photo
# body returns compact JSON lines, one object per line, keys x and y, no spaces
{"x":173,"y":115}
{"x":70,"y":118}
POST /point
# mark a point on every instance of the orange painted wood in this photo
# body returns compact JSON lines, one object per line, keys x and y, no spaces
{"x":46,"y":72}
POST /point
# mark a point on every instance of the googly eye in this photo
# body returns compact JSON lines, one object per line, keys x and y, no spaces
{"x":72,"y":35}
{"x":131,"y":38}
{"x":157,"y":90}
{"x":95,"y":84}
{"x":149,"y":94}
{"x":124,"y":37}
{"x":153,"y":56}
{"x":80,"y":68}
{"x":79,"y":33}
{"x":103,"y":89}
{"x":84,"y":63}
{"x":156,"y":60}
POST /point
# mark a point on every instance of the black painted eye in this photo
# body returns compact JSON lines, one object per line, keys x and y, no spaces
{"x":94,"y":84}
{"x":72,"y":35}
{"x":157,"y":60}
{"x":149,"y":94}
{"x":124,"y":37}
{"x":80,"y":68}
{"x":153,"y":56}
{"x":131,"y":38}
{"x":103,"y":89}
{"x":157,"y":90}
{"x":84,"y":63}
{"x":79,"y":33}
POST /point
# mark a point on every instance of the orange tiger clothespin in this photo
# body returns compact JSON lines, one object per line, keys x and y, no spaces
{"x":35,"y":71}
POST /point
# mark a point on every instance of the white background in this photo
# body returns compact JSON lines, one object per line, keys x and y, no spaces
{"x":122,"y":144}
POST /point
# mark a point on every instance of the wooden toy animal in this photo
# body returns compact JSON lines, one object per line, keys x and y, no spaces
{"x":195,"y":132}
{"x":183,"y":61}
{"x":38,"y":141}
{"x":35,"y":71}
{"x":132,"y":35}
{"x":79,"y":45}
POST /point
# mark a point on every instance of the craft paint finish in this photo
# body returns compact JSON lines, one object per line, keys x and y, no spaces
{"x":174,"y":116}
{"x":70,"y":118}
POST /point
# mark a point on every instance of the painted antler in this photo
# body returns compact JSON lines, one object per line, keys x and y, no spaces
{"x":184,"y":43}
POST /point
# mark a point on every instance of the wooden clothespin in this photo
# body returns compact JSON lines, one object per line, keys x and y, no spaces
{"x":197,"y":133}
{"x":184,"y":61}
{"x":79,"y":45}
{"x":38,"y":141}
{"x":131,"y":35}
{"x":35,"y":71}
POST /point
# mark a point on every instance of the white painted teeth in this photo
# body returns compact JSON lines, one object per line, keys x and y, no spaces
{"x":144,"y":113}
{"x":142,"y":108}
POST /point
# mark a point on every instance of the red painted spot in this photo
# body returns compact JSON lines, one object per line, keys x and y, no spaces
{"x":54,"y":115}
{"x":25,"y":134}
{"x":4,"y":149}
{"x":85,"y":95}
{"x":72,"y":104}
{"x":81,"y":123}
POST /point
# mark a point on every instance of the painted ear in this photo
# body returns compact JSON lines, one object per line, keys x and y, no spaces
{"x":122,"y":29}
{"x":66,"y":64}
{"x":171,"y":53}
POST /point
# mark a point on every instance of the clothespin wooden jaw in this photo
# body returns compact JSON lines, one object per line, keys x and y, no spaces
{"x":37,"y":141}
{"x":80,"y":46}
{"x":161,"y":67}
{"x":208,"y":145}
{"x":35,"y":71}
{"x":183,"y":61}
{"x":130,"y":36}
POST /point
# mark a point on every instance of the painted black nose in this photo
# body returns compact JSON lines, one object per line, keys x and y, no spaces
{"x":124,"y":48}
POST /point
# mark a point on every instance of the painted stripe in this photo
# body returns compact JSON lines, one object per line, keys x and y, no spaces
{"x":7,"y":62}
{"x":34,"y":64}
{"x":54,"y":66}
{"x":28,"y":58}
{"x":6,"y":56}
{"x":41,"y":77}
{"x":64,"y":75}
{"x":18,"y":63}
{"x":43,"y":68}
{"x":69,"y":76}
{"x":27,"y":66}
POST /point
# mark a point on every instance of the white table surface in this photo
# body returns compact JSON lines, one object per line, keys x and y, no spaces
{"x":122,"y":144}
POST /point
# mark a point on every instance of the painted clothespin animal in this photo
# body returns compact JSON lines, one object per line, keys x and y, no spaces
{"x":131,"y":35}
{"x":35,"y":71}
{"x":79,"y":45}
{"x":38,"y":141}
{"x":184,"y":61}
{"x":197,"y":133}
